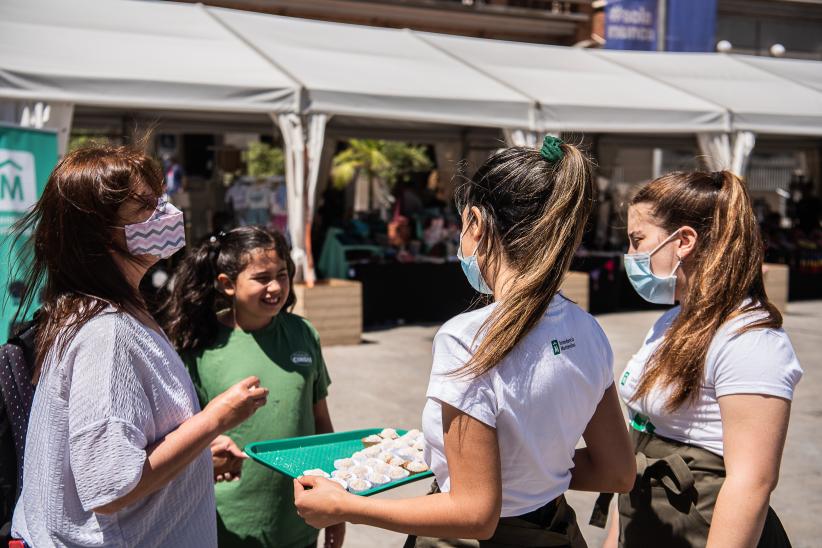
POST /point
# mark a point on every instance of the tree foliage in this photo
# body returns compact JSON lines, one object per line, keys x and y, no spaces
{"x":389,"y":161}
{"x":263,"y":160}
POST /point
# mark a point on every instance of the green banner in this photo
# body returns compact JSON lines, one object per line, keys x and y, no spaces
{"x":27,"y":157}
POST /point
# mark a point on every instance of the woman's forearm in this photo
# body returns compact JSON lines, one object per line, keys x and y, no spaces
{"x":588,"y":475}
{"x":739,"y":514}
{"x":470,"y":509}
{"x":438,"y":515}
{"x":584,"y":476}
{"x":607,"y":462}
{"x":168,"y":457}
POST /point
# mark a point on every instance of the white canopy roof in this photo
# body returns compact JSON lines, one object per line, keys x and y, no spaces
{"x":375,"y":72}
{"x":132,"y":54}
{"x":186,"y":57}
{"x":808,"y":73}
{"x":758,"y":100}
{"x":577,"y":90}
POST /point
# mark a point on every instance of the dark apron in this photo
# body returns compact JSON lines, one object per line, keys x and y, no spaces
{"x":673,"y":498}
{"x":552,"y":526}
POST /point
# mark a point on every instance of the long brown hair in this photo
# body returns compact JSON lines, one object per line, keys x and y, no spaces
{"x":67,"y":241}
{"x":725,"y":269}
{"x":189,"y":316}
{"x":533,"y":215}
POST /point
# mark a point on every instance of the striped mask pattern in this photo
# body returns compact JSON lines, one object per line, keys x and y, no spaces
{"x":162,"y":235}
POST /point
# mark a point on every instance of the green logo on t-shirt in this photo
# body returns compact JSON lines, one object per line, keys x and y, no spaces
{"x":624,"y":378}
{"x":563,"y":345}
{"x":642,"y":423}
{"x":301,"y":358}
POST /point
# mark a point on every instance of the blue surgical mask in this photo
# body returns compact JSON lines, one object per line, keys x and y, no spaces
{"x":471,"y":269}
{"x":652,"y":288}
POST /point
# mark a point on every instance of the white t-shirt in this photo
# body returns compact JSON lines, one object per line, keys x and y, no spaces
{"x":118,"y":389}
{"x":539,"y":398}
{"x":760,"y":361}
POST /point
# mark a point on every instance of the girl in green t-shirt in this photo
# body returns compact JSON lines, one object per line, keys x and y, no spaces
{"x":228,"y":316}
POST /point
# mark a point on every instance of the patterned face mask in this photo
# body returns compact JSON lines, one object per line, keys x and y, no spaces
{"x":162,"y":235}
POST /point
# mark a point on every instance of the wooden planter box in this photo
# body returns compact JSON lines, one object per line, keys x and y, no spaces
{"x":334,"y":307}
{"x":775,"y":277}
{"x":575,"y":287}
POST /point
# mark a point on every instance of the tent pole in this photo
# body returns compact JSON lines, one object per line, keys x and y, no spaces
{"x":309,"y":256}
{"x":661,"y":24}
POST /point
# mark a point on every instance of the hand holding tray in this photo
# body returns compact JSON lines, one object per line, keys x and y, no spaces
{"x":293,"y":456}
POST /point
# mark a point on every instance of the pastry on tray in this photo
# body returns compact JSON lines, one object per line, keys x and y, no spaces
{"x":317,"y":472}
{"x":373,"y":439}
{"x":358,"y":485}
{"x":416,"y":466}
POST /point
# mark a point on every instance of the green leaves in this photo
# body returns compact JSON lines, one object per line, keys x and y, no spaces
{"x":263,"y":160}
{"x":389,"y":161}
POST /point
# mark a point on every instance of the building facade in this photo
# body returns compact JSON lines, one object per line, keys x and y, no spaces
{"x":540,"y":21}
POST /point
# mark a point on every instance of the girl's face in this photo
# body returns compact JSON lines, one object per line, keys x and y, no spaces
{"x":644,"y":235}
{"x":261,"y":289}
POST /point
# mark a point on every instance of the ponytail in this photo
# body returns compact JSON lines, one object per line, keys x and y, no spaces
{"x":534,"y":213}
{"x":725,"y":270}
{"x":189,"y":317}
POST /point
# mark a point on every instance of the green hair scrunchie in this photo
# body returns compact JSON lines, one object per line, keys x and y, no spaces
{"x":551,"y":148}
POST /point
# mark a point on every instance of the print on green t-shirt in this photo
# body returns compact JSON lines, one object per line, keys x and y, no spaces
{"x":258,"y":509}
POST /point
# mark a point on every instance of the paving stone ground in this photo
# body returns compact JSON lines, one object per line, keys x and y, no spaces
{"x":382,"y":382}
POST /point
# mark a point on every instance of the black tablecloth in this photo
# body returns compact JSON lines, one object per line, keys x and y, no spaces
{"x":412,"y":292}
{"x":395,"y":292}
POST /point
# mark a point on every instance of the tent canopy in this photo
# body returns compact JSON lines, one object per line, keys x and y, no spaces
{"x":807,"y":73}
{"x":132,"y":54}
{"x":759,"y":100}
{"x":577,"y":90}
{"x":186,"y":57}
{"x":380,"y":73}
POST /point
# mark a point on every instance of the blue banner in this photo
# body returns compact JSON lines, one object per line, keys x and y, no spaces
{"x":631,"y":24}
{"x":691,"y":25}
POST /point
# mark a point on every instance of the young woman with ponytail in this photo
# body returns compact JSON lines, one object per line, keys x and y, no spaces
{"x":709,"y":392}
{"x":229,"y":317}
{"x":514,"y":385}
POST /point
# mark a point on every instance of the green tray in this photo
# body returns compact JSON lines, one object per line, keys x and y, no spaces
{"x":293,"y":456}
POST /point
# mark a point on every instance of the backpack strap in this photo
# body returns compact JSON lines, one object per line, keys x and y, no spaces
{"x":16,"y":388}
{"x":24,"y":337}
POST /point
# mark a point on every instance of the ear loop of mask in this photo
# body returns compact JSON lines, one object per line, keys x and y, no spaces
{"x":460,"y":254}
{"x":471,"y":268}
{"x":658,"y":247}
